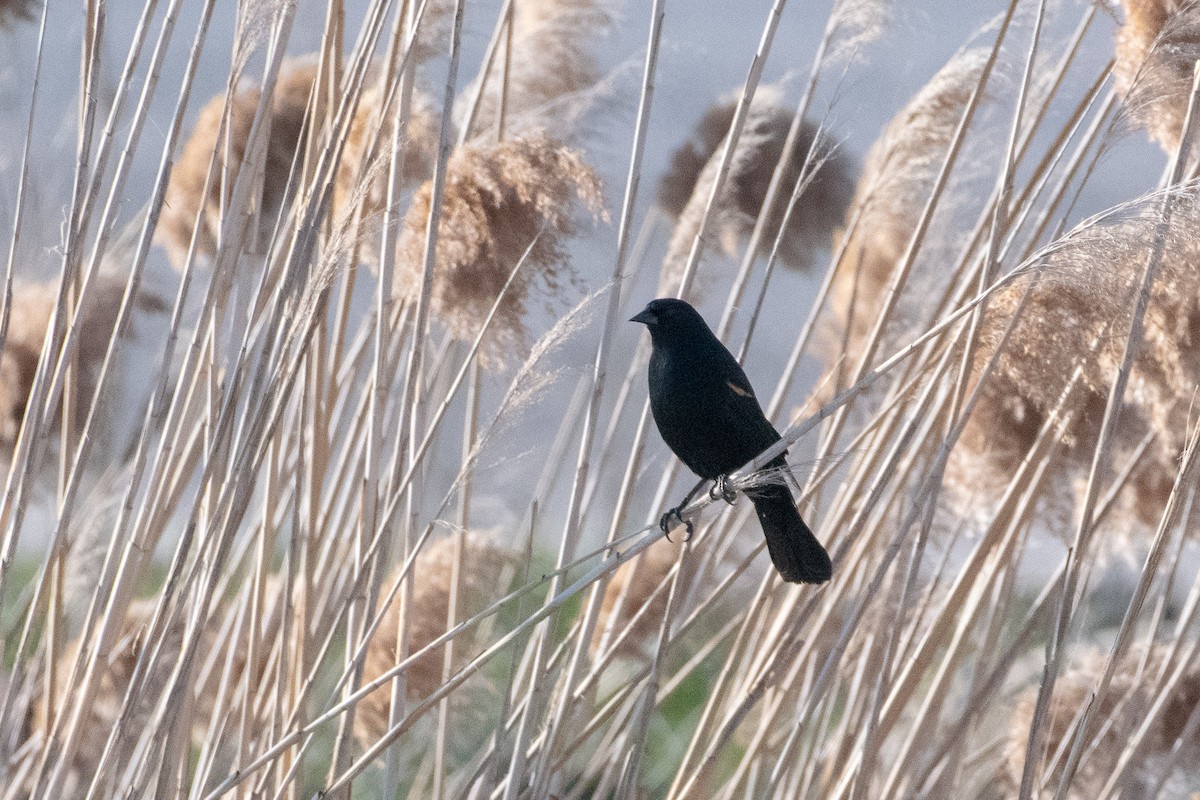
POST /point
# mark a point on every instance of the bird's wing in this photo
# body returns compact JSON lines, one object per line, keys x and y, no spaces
{"x":744,"y":416}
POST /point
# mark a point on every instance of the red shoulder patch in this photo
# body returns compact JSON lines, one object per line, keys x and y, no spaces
{"x":738,"y":390}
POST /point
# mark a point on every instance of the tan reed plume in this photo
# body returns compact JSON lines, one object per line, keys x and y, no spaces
{"x":115,"y":675}
{"x":1077,"y":307}
{"x":501,"y":199}
{"x":32,"y":306}
{"x":185,"y":196}
{"x":896,"y":181}
{"x":433,"y":36}
{"x":12,"y":11}
{"x":1118,"y":715}
{"x":684,"y":189}
{"x":553,"y":60}
{"x":480,"y":579}
{"x":1156,"y":53}
{"x":362,"y":177}
{"x":631,"y":589}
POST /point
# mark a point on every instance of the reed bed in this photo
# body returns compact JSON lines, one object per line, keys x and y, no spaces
{"x":386,"y":521}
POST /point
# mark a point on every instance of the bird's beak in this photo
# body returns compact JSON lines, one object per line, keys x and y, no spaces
{"x":645,"y":316}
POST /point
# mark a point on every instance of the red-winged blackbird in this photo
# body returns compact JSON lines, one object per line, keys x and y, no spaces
{"x":707,"y":414}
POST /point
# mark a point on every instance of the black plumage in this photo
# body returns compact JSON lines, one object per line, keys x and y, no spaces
{"x":708,"y":415}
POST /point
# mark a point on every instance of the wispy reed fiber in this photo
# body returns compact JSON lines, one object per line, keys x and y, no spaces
{"x":1156,"y":53}
{"x":1125,"y":707}
{"x":480,"y":580}
{"x":553,"y":59}
{"x":186,"y":198}
{"x":857,"y":24}
{"x":684,"y":188}
{"x":895,"y":183}
{"x":500,"y":200}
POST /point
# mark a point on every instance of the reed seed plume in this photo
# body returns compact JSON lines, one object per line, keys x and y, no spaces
{"x":1000,"y":432}
{"x":480,"y":580}
{"x":115,"y":676}
{"x":631,"y":599}
{"x":1125,"y":707}
{"x":684,"y":188}
{"x":1156,"y":53}
{"x":91,"y":534}
{"x":553,"y":59}
{"x":13,"y":11}
{"x":1074,"y":313}
{"x":32,"y":306}
{"x":185,"y":196}
{"x":373,"y":122}
{"x":500,"y":200}
{"x":896,"y":181}
{"x":433,"y":35}
{"x":858,"y":23}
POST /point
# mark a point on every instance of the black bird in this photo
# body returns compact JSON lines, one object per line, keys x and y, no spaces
{"x":707,"y":414}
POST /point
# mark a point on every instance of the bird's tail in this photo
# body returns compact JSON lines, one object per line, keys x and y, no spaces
{"x":797,"y":554}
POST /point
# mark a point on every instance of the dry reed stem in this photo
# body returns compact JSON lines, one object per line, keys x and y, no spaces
{"x":1157,"y":48}
{"x":501,"y":200}
{"x":684,"y":189}
{"x":185,"y":197}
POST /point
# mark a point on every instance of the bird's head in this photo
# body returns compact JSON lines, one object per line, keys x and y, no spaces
{"x":668,"y":317}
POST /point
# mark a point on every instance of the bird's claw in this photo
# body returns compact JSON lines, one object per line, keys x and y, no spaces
{"x":665,"y":524}
{"x":721,"y":490}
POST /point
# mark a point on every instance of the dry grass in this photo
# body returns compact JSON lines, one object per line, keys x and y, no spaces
{"x":292,"y":439}
{"x":893,"y":188}
{"x":478,"y":572}
{"x":418,"y":148}
{"x":115,"y":675}
{"x":552,"y":62}
{"x":1069,"y":315}
{"x":1127,"y":706}
{"x":635,"y":600}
